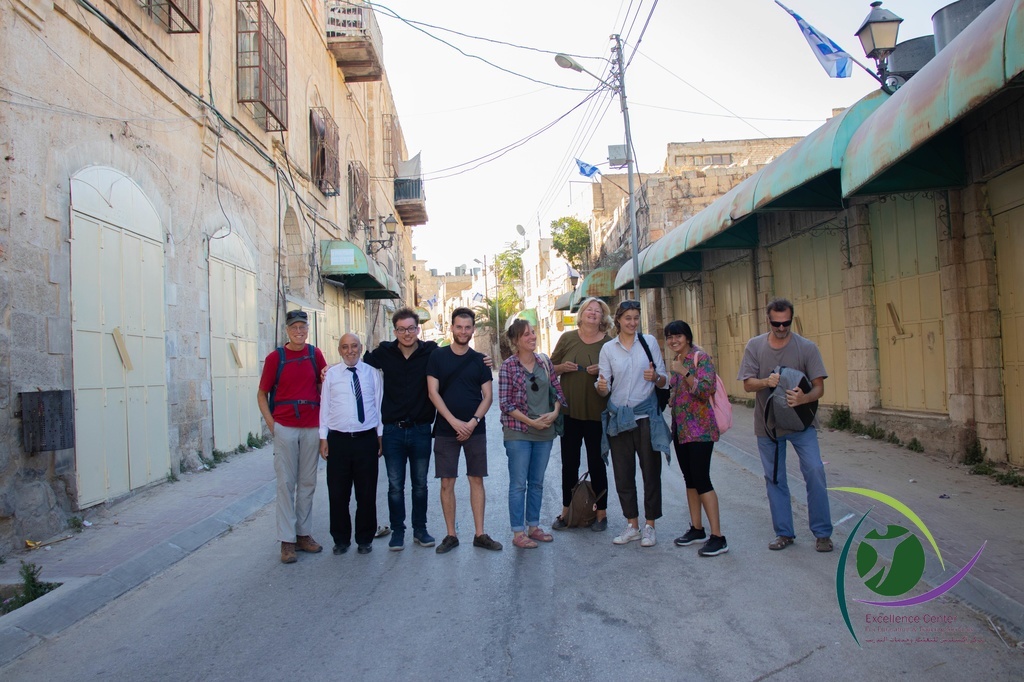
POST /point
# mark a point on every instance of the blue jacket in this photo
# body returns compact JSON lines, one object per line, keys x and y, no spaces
{"x":616,"y":420}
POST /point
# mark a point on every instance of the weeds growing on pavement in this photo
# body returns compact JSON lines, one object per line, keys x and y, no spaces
{"x":982,"y":469}
{"x":31,"y":588}
{"x":75,"y":524}
{"x":894,"y":439}
{"x":172,"y":477}
{"x":1010,"y":477}
{"x":839,"y":419}
{"x":915,"y":445}
{"x":255,"y":442}
{"x":219,"y":456}
{"x":975,"y":453}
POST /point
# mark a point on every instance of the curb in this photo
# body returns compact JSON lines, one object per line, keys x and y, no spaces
{"x":974,"y":592}
{"x":34,"y":623}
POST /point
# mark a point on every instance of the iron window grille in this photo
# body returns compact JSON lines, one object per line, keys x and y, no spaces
{"x":358,"y":196}
{"x":176,"y":16}
{"x":323,"y":151}
{"x":262,"y":66}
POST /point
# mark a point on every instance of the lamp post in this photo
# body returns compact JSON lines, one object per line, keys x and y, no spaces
{"x":618,"y":85}
{"x":877,"y":36}
{"x":497,"y":312}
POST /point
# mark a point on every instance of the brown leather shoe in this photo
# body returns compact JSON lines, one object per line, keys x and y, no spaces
{"x":288,"y":553}
{"x":306,"y":543}
{"x":781,"y":542}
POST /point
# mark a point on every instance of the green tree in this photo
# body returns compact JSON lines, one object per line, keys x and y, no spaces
{"x":508,"y":305}
{"x":508,"y":266}
{"x":571,"y":239}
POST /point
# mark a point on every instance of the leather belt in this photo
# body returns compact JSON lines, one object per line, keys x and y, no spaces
{"x":406,"y":423}
{"x":355,"y":434}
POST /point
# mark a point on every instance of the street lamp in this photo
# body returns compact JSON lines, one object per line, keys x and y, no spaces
{"x":877,"y":36}
{"x":497,"y":312}
{"x":390,"y":226}
{"x":618,"y":85}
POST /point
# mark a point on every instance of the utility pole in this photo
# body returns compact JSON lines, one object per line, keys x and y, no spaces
{"x":619,"y":77}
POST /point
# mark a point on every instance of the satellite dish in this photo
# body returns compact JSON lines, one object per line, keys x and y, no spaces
{"x":521,"y":230}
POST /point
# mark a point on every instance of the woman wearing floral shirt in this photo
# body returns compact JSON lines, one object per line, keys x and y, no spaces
{"x":695,"y":431}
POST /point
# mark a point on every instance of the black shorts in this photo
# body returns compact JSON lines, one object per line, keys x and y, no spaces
{"x":446,"y":455}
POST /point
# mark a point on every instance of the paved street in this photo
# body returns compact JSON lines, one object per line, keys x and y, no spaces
{"x":576,"y":609}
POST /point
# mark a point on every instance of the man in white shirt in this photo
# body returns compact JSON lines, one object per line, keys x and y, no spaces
{"x":350,"y":441}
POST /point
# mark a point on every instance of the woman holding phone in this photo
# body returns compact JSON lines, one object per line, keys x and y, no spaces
{"x":575,"y":359}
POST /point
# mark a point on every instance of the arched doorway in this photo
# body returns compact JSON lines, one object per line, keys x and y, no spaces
{"x":117,"y":329}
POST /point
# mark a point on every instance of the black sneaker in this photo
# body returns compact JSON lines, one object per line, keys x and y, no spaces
{"x":449,"y":543}
{"x":485,"y":542}
{"x":714,"y":546}
{"x":691,"y":536}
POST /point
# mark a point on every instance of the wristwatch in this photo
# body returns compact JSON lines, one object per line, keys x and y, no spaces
{"x":476,"y":418}
{"x":686,"y":376}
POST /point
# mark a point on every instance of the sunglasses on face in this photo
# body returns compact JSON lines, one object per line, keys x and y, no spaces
{"x":784,"y":323}
{"x":629,"y":305}
{"x":533,"y":384}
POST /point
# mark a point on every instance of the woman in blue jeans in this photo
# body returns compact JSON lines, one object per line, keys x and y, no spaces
{"x":530,"y":399}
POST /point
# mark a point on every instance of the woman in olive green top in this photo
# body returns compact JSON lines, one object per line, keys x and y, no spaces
{"x":575,"y":358}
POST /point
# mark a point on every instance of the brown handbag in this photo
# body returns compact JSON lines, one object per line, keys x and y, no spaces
{"x":582,"y":504}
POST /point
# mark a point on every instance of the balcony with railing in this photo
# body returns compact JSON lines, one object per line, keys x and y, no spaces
{"x":354,"y":39}
{"x":411,"y":201}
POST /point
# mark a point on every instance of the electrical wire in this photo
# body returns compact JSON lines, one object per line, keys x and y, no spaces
{"x":745,"y":118}
{"x":394,"y":15}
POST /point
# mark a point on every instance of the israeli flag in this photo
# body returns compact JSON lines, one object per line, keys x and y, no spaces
{"x":478,"y":297}
{"x":834,"y":59}
{"x":586,"y":170}
{"x":431,"y":302}
{"x":573,"y":272}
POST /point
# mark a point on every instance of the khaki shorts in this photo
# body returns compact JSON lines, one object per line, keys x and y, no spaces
{"x":446,"y":455}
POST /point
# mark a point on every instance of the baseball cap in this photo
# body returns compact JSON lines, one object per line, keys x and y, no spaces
{"x":294,"y":316}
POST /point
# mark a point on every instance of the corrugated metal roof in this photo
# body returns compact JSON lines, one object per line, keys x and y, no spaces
{"x":975,"y":65}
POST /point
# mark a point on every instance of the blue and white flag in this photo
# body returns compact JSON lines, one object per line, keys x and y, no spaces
{"x":834,"y":59}
{"x":573,"y":272}
{"x":431,"y":302}
{"x":478,"y":297}
{"x":586,"y":170}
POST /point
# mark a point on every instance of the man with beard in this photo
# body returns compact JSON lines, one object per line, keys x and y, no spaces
{"x":459,"y":385}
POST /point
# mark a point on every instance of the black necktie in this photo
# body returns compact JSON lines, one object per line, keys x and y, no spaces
{"x":359,"y":394}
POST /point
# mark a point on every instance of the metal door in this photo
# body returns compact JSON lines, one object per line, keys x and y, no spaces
{"x":233,"y":336}
{"x":735,"y":320}
{"x":807,"y":271}
{"x":908,"y":303}
{"x":1006,"y":197}
{"x":118,"y":346}
{"x":686,"y":307}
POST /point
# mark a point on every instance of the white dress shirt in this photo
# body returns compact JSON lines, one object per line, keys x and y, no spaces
{"x":627,"y":368}
{"x":338,"y":411}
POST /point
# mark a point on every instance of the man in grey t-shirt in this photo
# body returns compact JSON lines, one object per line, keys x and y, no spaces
{"x":782,"y":348}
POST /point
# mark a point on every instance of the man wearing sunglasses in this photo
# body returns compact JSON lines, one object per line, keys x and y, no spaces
{"x":781,"y":347}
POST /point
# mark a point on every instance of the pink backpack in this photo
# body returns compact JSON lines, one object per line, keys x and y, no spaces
{"x":720,"y":405}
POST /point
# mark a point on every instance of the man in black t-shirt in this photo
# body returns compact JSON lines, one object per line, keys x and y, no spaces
{"x":459,"y":385}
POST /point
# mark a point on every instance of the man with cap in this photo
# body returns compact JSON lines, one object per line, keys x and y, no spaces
{"x":291,"y":382}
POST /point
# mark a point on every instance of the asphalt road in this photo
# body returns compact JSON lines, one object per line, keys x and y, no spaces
{"x":578,"y":608}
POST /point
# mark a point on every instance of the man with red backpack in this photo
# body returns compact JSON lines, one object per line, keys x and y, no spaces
{"x":289,"y":399}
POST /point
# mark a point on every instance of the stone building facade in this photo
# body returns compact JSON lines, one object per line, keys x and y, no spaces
{"x":155,"y":227}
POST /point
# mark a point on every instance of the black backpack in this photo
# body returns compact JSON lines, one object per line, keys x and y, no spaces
{"x":281,"y":362}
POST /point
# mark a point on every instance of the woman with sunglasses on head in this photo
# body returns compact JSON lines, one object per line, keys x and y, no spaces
{"x":530,"y":399}
{"x":632,"y":421}
{"x":695,"y":432}
{"x":575,"y":359}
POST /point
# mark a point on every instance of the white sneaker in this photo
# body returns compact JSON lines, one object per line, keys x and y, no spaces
{"x":649,"y":539}
{"x":627,"y":535}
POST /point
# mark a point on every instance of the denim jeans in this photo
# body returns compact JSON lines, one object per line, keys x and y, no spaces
{"x":399,"y":446}
{"x":806,"y":445}
{"x":527,"y":462}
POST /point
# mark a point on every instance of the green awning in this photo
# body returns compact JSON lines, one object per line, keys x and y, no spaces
{"x":910,"y":142}
{"x":600,"y":283}
{"x":624,"y":278}
{"x":345,"y":263}
{"x":564,"y":301}
{"x":530,"y":315}
{"x":806,"y":176}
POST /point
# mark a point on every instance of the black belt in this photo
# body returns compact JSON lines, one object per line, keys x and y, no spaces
{"x":355,"y":434}
{"x":407,"y":423}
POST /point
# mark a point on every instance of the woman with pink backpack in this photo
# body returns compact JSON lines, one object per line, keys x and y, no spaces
{"x":695,"y":429}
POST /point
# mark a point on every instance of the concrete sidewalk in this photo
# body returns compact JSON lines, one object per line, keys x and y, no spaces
{"x":136,"y":539}
{"x":961,"y":510}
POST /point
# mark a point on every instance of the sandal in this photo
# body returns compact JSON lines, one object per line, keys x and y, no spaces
{"x":539,"y":535}
{"x":781,"y":542}
{"x":382,"y":531}
{"x":523,"y":541}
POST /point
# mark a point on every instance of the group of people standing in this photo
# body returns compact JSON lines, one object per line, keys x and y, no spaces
{"x":596,"y":391}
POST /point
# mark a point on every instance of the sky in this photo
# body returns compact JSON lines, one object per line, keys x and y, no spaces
{"x":712,"y":70}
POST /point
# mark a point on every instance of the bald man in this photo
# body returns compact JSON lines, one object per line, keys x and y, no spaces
{"x":350,"y":441}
